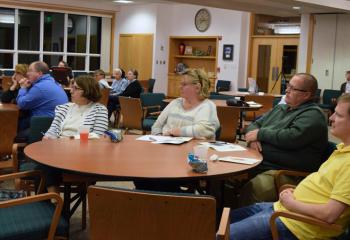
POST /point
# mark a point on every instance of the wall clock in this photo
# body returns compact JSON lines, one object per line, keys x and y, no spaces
{"x":202,"y":20}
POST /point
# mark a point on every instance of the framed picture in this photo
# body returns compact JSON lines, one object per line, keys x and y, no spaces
{"x":227,"y":52}
{"x":188,"y":50}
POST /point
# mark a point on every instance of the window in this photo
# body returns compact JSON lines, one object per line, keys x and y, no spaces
{"x":53,"y":32}
{"x":7,"y":28}
{"x":28,"y":30}
{"x":42,"y":36}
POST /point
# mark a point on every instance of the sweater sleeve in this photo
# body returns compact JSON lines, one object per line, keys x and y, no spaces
{"x":305,"y":128}
{"x":56,"y":125}
{"x":158,"y":126}
{"x":101,"y":120}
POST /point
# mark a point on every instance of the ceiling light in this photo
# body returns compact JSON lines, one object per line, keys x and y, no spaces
{"x":123,"y":1}
{"x":296,"y":8}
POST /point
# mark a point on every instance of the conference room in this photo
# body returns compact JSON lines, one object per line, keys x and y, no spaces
{"x":249,"y":53}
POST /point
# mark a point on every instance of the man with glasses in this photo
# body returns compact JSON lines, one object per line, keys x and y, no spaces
{"x":39,"y":95}
{"x":291,"y":136}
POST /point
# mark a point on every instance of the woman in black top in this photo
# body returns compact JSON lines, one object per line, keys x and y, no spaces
{"x":134,"y":89}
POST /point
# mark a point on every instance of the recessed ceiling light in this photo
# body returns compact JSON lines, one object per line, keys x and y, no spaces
{"x":296,"y":8}
{"x":123,"y":1}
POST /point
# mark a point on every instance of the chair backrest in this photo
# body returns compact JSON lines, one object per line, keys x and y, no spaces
{"x":152,"y":99}
{"x":130,"y":214}
{"x":223,"y":85}
{"x":105,"y":96}
{"x":131,"y":111}
{"x":266,"y":101}
{"x":38,"y":126}
{"x":9,"y":72}
{"x":151,"y":82}
{"x":228,"y":118}
{"x":6,"y":82}
{"x":329,"y":94}
{"x":8,"y":130}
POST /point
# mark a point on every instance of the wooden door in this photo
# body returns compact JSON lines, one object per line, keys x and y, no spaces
{"x":136,"y":51}
{"x":273,"y":59}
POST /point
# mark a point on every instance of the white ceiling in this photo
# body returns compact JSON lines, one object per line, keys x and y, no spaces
{"x":269,"y":7}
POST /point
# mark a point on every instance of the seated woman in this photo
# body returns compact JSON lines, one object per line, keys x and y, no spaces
{"x":118,"y":86}
{"x":10,"y":95}
{"x":83,"y":111}
{"x":70,"y":76}
{"x":191,"y":115}
{"x":134,"y":88}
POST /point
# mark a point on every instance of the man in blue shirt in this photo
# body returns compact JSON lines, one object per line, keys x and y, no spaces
{"x":39,"y":94}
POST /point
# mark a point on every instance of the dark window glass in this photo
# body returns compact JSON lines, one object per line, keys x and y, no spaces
{"x":94,"y":63}
{"x":28,"y":30}
{"x":6,"y":60}
{"x":52,"y":60}
{"x":76,"y":63}
{"x":95,"y":35}
{"x":27,"y":58}
{"x":7,"y":28}
{"x":77,"y":26}
{"x":53,"y":32}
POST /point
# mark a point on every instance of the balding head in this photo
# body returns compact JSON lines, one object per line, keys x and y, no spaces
{"x":36,"y":70}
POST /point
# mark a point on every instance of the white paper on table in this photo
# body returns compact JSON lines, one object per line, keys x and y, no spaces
{"x":224,"y":147}
{"x":164,"y":139}
{"x":253,"y":104}
{"x":92,"y":135}
{"x":241,"y":160}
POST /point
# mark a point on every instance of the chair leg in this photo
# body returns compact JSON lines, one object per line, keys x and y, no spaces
{"x":83,"y":206}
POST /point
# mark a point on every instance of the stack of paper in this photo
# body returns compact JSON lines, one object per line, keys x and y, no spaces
{"x":164,"y":139}
{"x":241,"y":160}
{"x":253,"y":104}
{"x":224,"y":146}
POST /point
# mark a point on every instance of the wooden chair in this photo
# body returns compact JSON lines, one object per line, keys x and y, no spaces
{"x":265,"y":101}
{"x":228,"y":118}
{"x":32,"y":217}
{"x":296,"y":216}
{"x":132,"y":113}
{"x":131,"y":214}
{"x":8,"y":131}
{"x":6,"y":82}
{"x":105,"y":95}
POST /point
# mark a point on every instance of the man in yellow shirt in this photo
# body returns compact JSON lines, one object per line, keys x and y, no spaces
{"x":324,"y":194}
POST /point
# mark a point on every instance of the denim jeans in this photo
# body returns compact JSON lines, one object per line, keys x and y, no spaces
{"x":252,"y":222}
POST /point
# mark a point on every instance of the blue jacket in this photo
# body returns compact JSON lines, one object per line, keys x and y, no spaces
{"x":42,"y":97}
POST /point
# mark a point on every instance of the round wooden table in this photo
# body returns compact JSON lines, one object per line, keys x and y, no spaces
{"x":131,"y":158}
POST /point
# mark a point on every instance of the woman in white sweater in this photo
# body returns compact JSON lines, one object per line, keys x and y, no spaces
{"x":192,"y":114}
{"x":83,"y":111}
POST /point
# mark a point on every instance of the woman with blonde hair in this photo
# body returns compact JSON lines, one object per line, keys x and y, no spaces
{"x":193,"y":114}
{"x":10,"y":95}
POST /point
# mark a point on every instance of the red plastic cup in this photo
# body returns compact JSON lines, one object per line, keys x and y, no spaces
{"x":84,"y":136}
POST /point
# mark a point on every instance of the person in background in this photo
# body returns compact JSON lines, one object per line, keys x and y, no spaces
{"x":100,"y":76}
{"x":193,"y":114}
{"x":39,"y":94}
{"x":324,"y":195}
{"x":83,"y":111}
{"x":134,"y":87}
{"x":345,"y":87}
{"x":70,"y":74}
{"x":10,"y":95}
{"x":291,"y":136}
{"x":118,"y":86}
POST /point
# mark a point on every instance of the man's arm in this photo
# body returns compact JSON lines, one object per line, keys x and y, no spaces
{"x":328,"y":212}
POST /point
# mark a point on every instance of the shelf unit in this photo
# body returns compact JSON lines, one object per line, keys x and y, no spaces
{"x":206,"y":62}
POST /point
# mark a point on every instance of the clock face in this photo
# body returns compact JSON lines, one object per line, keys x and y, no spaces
{"x":202,"y":20}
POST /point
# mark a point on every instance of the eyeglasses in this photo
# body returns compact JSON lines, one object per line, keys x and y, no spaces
{"x":291,"y":87}
{"x":183,"y":84}
{"x":76,"y":88}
